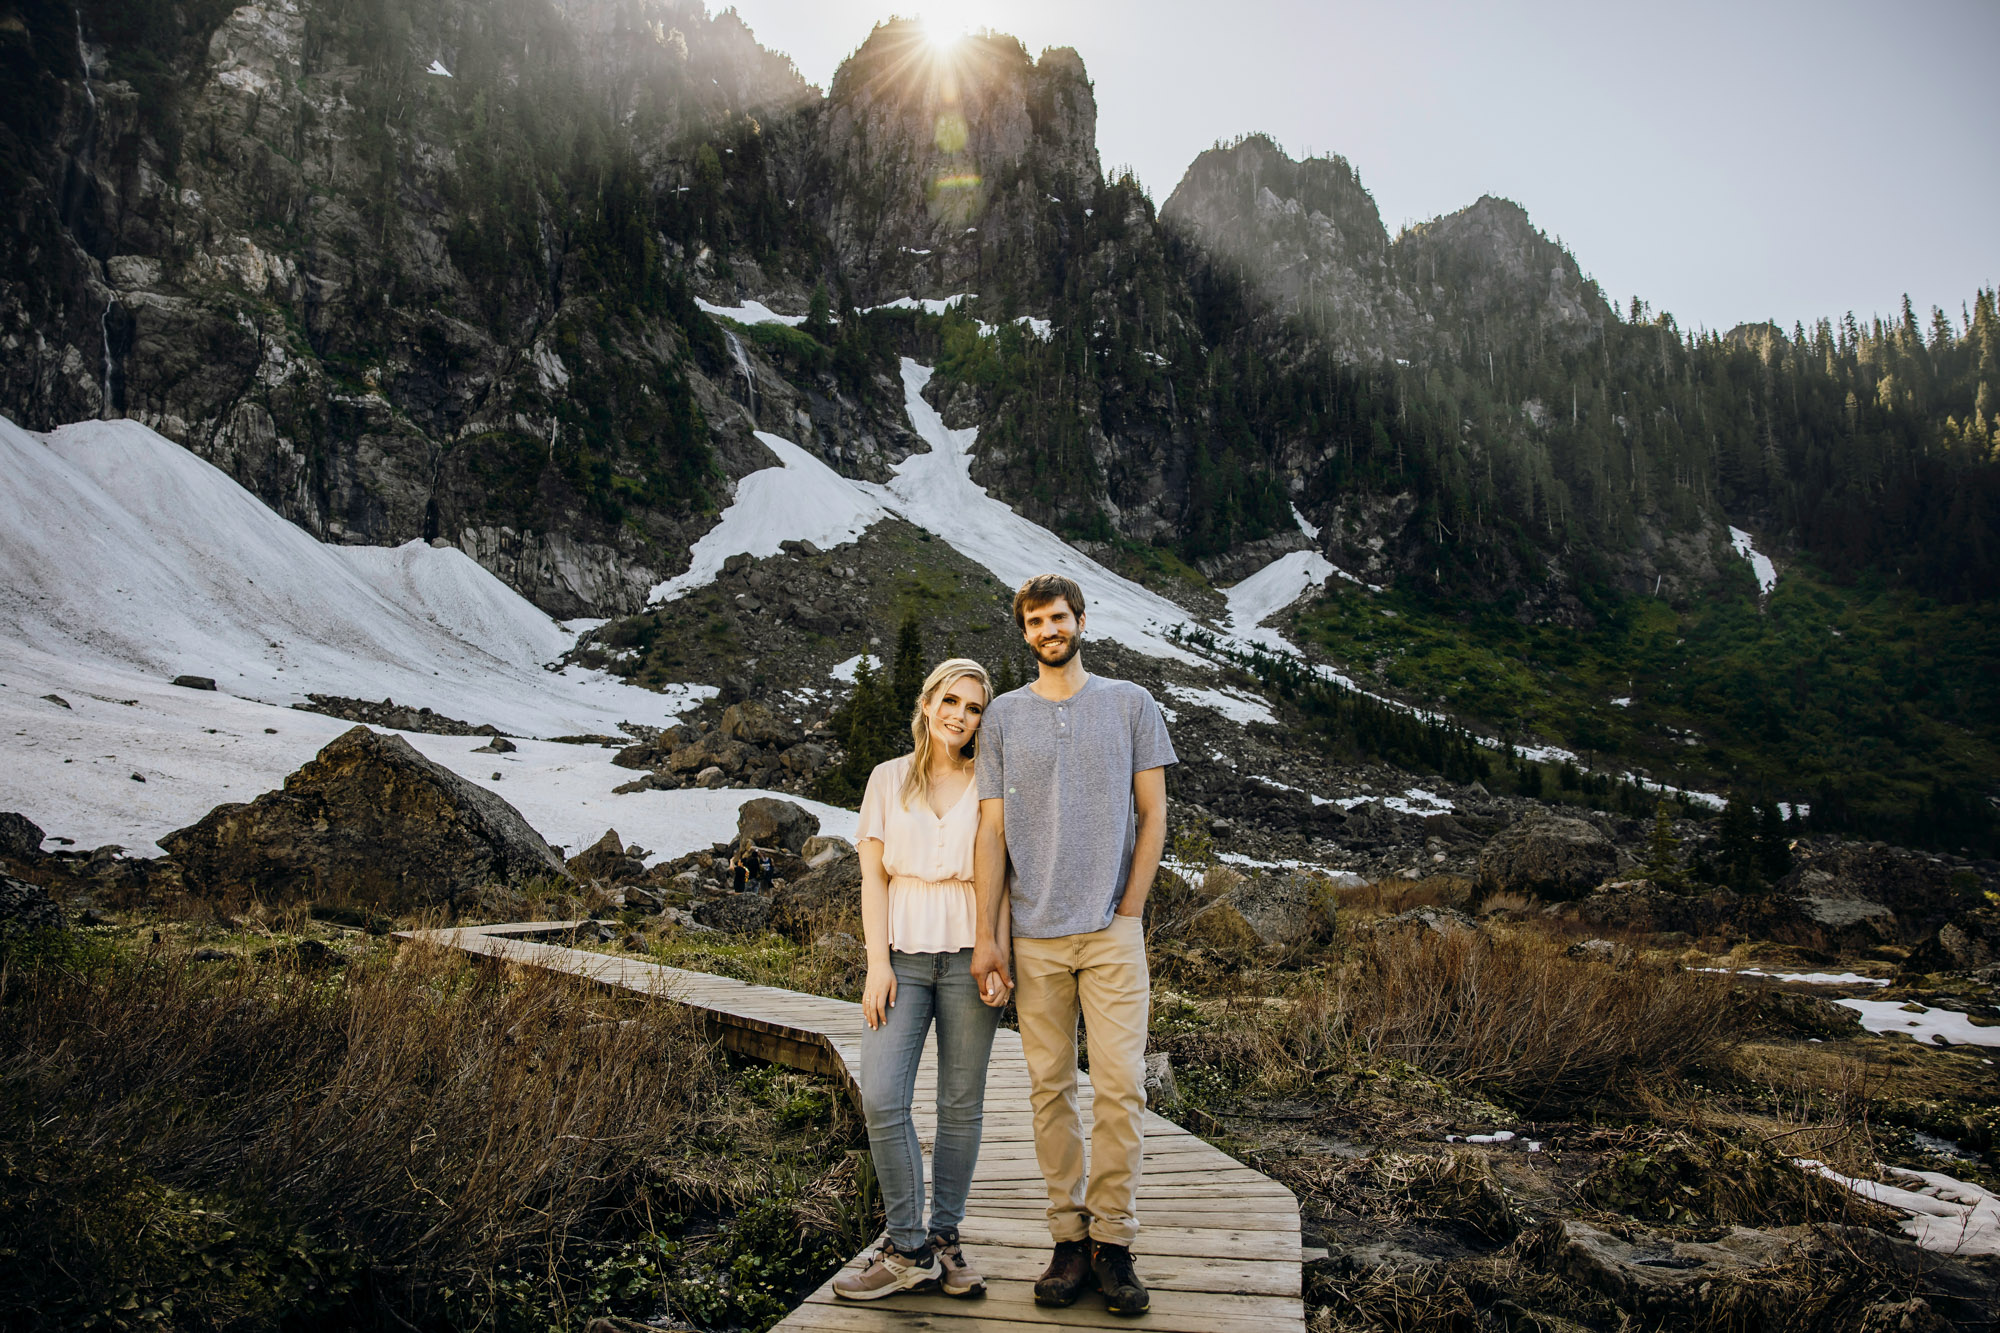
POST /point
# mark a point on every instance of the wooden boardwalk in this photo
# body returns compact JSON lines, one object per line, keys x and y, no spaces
{"x":1218,"y":1242}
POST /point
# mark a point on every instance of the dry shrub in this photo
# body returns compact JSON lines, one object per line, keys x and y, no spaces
{"x":367,"y":1146}
{"x":1388,"y":897}
{"x":1510,"y":1014}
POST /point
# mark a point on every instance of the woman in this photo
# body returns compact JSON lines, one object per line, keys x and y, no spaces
{"x":917,"y":911}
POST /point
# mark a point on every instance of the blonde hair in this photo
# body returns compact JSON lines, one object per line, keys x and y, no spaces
{"x":917,"y":783}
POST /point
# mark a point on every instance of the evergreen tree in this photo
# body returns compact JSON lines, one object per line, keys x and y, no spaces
{"x":1738,"y":854}
{"x":819,"y":315}
{"x":908,"y":680}
{"x":1663,"y":863}
{"x":1774,"y":849}
{"x":871,"y":729}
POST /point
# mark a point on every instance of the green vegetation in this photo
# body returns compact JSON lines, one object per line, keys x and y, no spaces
{"x":1877,"y":706}
{"x":874,"y":723}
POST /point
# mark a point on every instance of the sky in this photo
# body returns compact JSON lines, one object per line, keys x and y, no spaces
{"x":1763,"y":159}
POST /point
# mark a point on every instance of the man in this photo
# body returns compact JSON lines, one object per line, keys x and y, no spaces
{"x":1072,"y":789}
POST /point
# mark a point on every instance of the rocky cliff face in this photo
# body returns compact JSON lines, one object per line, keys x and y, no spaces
{"x":395,"y":299}
{"x":1307,"y":239}
{"x":942,"y":163}
{"x":432,"y":271}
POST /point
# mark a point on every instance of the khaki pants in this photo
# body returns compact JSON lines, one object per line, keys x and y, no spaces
{"x":1102,"y":973}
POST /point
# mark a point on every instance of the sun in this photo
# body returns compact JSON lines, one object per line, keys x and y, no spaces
{"x":945,"y":24}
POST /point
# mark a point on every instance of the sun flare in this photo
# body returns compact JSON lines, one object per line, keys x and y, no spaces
{"x":946,"y":24}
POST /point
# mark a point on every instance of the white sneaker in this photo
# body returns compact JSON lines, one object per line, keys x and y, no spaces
{"x":889,"y":1273}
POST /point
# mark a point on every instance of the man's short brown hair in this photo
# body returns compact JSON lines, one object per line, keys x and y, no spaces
{"x":1040,"y":591}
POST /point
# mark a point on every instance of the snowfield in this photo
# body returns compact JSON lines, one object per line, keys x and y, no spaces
{"x":122,"y":551}
{"x":1270,"y":590}
{"x":125,"y":561}
{"x":800,"y":499}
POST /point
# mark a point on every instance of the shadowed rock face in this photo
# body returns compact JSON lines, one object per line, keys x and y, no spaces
{"x":1307,"y":238}
{"x":943,"y":162}
{"x":368,"y":820}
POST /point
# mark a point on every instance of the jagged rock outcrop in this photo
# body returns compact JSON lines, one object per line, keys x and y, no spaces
{"x":338,"y":263}
{"x":608,"y":861}
{"x":1308,"y":240}
{"x":944,"y":162}
{"x":367,"y":820}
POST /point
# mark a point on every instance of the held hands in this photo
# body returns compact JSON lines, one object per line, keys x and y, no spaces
{"x":877,"y":994}
{"x":989,"y":969}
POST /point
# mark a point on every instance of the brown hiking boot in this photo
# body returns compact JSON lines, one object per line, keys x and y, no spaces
{"x":1067,"y":1276}
{"x":1123,"y":1292}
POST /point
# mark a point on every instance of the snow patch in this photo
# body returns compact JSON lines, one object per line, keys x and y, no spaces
{"x":750,"y":312}
{"x":849,"y":669}
{"x":801,"y":498}
{"x":1269,"y":591}
{"x":1940,"y":1027}
{"x":933,"y":305}
{"x":565,"y":792}
{"x":1236,"y":705}
{"x":437,"y":67}
{"x":1311,"y":532}
{"x":1760,"y":565}
{"x":1947,"y":1215}
{"x":1802,"y":978}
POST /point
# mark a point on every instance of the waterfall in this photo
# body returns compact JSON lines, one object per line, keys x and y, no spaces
{"x":104,"y":332}
{"x":743,"y":364}
{"x":83,"y":56}
{"x":89,"y":134}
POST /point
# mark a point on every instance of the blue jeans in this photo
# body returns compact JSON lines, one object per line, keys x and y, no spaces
{"x":929,"y":987}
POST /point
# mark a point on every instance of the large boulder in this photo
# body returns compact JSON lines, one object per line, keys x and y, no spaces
{"x":826,"y":898}
{"x":771,"y":822}
{"x":19,"y":837}
{"x":1970,"y":943}
{"x":1289,"y":907}
{"x":607,"y":861}
{"x":714,"y":750}
{"x":754,"y":723}
{"x":367,"y":820}
{"x":1547,"y":856}
{"x":25,"y":907}
{"x":735,"y":913}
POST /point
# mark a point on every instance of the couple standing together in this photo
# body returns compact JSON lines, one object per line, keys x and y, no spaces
{"x":1035,"y":819}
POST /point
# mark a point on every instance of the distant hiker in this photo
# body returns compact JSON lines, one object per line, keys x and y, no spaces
{"x":919,"y":917}
{"x":739,"y":868}
{"x":764,"y":868}
{"x":1073,"y":792}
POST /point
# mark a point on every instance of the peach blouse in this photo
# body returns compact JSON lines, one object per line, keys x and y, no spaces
{"x":928,"y":859}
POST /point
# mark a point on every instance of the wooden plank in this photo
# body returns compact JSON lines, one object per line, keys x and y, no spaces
{"x":1219,"y":1241}
{"x":1014,"y":1300}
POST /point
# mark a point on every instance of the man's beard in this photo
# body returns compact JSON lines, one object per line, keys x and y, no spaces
{"x":1058,"y":654}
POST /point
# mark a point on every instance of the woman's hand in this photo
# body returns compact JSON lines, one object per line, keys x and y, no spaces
{"x":877,"y":994}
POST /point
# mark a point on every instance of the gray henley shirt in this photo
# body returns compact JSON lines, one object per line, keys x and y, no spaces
{"x":1065,"y":770}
